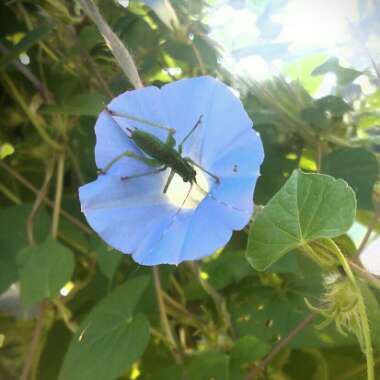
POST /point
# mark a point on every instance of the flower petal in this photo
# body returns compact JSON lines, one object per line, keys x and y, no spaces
{"x":235,"y":200}
{"x":224,"y":123}
{"x":123,"y":212}
{"x":144,"y":103}
{"x":192,"y":234}
{"x":111,"y":141}
{"x":134,"y":216}
{"x":241,"y":158}
{"x":163,"y":245}
{"x":185,"y":101}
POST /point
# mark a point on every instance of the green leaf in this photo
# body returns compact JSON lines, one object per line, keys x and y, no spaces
{"x":89,"y":37}
{"x":307,"y":364}
{"x":331,"y":65}
{"x":108,"y":259}
{"x":110,"y":338}
{"x":275,"y":170}
{"x":13,"y":239}
{"x":26,"y":43}
{"x":358,"y":167}
{"x":6,"y":150}
{"x":315,"y":117}
{"x":80,"y":105}
{"x":230,"y":267}
{"x":172,"y":373}
{"x":344,"y":75}
{"x":369,"y":120}
{"x":209,"y":365}
{"x":308,"y":207}
{"x":245,"y":351}
{"x":287,"y":264}
{"x":44,"y":270}
{"x":50,"y":361}
{"x":301,"y":70}
{"x":9,"y":21}
{"x":333,"y":104}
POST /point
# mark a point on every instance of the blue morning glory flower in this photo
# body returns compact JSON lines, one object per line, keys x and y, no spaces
{"x":189,"y":221}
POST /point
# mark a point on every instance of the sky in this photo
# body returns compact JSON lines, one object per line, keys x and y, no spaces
{"x":260,"y":37}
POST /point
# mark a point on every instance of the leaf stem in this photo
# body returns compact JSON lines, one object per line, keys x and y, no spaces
{"x":255,"y":372}
{"x":369,"y":276}
{"x":34,"y":119}
{"x":58,"y":195}
{"x":10,"y":195}
{"x":37,"y":203}
{"x":164,"y":318}
{"x":220,"y":302}
{"x":65,"y":315}
{"x":199,"y":58}
{"x":37,"y":332}
{"x":28,"y":185}
{"x":375,"y":219}
{"x":24,"y":70}
{"x":362,"y":311}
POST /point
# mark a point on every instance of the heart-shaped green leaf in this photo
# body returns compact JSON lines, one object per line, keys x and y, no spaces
{"x":110,"y":338}
{"x":44,"y":270}
{"x":308,"y":207}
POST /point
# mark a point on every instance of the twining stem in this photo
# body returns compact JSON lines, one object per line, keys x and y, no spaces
{"x":199,"y":58}
{"x":65,"y":314}
{"x":219,"y":301}
{"x":28,"y":185}
{"x":95,"y":71}
{"x":255,"y":372}
{"x":36,"y":121}
{"x":372,"y":225}
{"x":369,"y":276}
{"x":164,"y":318}
{"x":10,"y":195}
{"x":33,"y":352}
{"x":354,"y":372}
{"x":24,"y":70}
{"x":362,"y":312}
{"x":58,"y":195}
{"x":76,"y":166}
{"x":37,"y":332}
{"x":37,"y":203}
{"x":319,"y":154}
{"x":182,"y":310}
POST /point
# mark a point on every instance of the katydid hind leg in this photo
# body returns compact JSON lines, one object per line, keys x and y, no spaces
{"x":152,"y":172}
{"x":128,"y":153}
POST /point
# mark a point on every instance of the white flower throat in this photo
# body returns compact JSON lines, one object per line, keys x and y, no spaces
{"x":178,"y":190}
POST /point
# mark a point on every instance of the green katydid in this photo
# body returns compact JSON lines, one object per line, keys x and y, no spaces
{"x":161,"y":155}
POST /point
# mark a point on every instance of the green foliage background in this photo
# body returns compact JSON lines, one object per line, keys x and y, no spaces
{"x":224,"y":316}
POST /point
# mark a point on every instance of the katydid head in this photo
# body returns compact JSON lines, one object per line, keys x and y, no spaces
{"x":190,"y":175}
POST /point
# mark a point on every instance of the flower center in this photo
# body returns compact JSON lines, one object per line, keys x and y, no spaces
{"x":180,"y":195}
